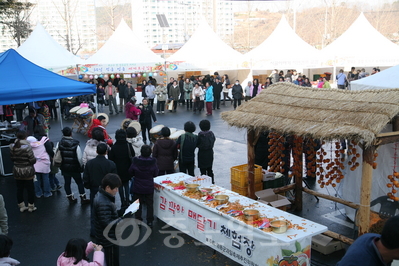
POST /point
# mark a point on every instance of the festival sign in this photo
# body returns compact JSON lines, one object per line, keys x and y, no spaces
{"x":126,"y":68}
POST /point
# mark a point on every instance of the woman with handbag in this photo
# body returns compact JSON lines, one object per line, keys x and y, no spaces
{"x":121,"y":154}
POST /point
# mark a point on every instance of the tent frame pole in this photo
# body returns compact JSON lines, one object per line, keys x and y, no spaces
{"x":60,"y":113}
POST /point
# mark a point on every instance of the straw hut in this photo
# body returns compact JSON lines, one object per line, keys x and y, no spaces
{"x":327,"y":114}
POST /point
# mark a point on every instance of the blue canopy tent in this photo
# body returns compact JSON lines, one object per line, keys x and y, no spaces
{"x":24,"y":82}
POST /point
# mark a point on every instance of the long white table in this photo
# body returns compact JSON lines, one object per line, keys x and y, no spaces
{"x":235,"y":239}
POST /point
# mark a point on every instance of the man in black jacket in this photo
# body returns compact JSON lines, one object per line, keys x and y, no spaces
{"x":217,"y":90}
{"x":105,"y":213}
{"x":71,"y":166}
{"x":94,"y":173}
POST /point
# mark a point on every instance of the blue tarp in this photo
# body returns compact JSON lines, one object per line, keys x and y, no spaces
{"x":25,"y":82}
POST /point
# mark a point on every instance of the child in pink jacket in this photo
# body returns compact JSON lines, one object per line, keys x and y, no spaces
{"x":76,"y":253}
{"x":42,"y":167}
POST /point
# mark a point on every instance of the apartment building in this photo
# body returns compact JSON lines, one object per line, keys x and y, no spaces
{"x":72,"y":23}
{"x":183,"y":18}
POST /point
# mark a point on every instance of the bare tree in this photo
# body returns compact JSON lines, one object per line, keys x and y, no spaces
{"x":14,"y":16}
{"x":66,"y":11}
{"x":114,"y":12}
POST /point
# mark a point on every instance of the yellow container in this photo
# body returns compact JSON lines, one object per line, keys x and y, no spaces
{"x":244,"y":190}
{"x":239,"y":175}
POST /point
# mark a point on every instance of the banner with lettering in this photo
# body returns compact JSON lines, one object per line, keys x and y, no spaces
{"x":242,"y":243}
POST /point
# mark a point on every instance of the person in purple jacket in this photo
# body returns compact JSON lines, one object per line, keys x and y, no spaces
{"x":143,"y":169}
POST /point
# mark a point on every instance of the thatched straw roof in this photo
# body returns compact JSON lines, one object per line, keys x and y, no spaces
{"x":318,"y":113}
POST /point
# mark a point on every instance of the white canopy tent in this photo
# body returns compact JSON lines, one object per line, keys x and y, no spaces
{"x":206,"y":51}
{"x":361,"y":45}
{"x":283,"y":49}
{"x":124,"y":52}
{"x":386,"y":79}
{"x":41,"y":49}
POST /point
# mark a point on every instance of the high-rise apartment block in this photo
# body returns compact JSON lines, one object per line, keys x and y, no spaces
{"x":183,"y":18}
{"x":72,"y":23}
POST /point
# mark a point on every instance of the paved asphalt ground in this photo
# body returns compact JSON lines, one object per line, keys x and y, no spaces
{"x":40,"y":237}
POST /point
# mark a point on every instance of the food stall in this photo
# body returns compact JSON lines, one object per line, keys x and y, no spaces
{"x":247,"y":231}
{"x":330,"y":115}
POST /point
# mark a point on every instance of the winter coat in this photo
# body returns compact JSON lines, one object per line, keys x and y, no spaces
{"x":217,"y":89}
{"x":149,"y":90}
{"x":107,"y":89}
{"x":326,"y":85}
{"x":3,"y":217}
{"x":248,"y":90}
{"x":24,"y":159}
{"x":143,"y":94}
{"x":132,"y":111}
{"x":136,"y":143}
{"x":198,"y":92}
{"x":122,"y":90}
{"x":226,"y":85}
{"x":43,"y":163}
{"x":165,"y":151}
{"x":162,"y":93}
{"x":104,"y":212}
{"x":48,"y":145}
{"x":275,"y":77}
{"x":7,"y":261}
{"x":251,"y":92}
{"x":144,"y":169}
{"x":71,"y":155}
{"x":187,"y":144}
{"x":237,"y":92}
{"x":98,"y":258}
{"x":174,"y":92}
{"x":96,"y":169}
{"x":209,"y":94}
{"x":205,"y":143}
{"x":121,"y":156}
{"x":90,"y":151}
{"x":146,"y":114}
{"x":130,"y":92}
{"x":188,"y":88}
{"x":100,"y":95}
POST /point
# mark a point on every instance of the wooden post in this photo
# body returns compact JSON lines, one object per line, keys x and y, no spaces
{"x":251,"y":163}
{"x":395,"y":123}
{"x":365,"y":190}
{"x":298,"y":171}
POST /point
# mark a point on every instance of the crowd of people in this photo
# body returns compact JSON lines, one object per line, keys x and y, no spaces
{"x":196,"y":93}
{"x":126,"y":166}
{"x":105,"y":167}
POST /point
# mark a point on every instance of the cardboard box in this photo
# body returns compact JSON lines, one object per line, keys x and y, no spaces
{"x":326,"y":245}
{"x":268,"y":197}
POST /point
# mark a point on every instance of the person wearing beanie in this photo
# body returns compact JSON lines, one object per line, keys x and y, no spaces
{"x":374,"y":249}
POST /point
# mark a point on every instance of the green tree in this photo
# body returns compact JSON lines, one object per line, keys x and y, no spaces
{"x":14,"y":18}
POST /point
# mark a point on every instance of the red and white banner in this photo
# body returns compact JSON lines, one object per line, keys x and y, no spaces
{"x":235,"y":239}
